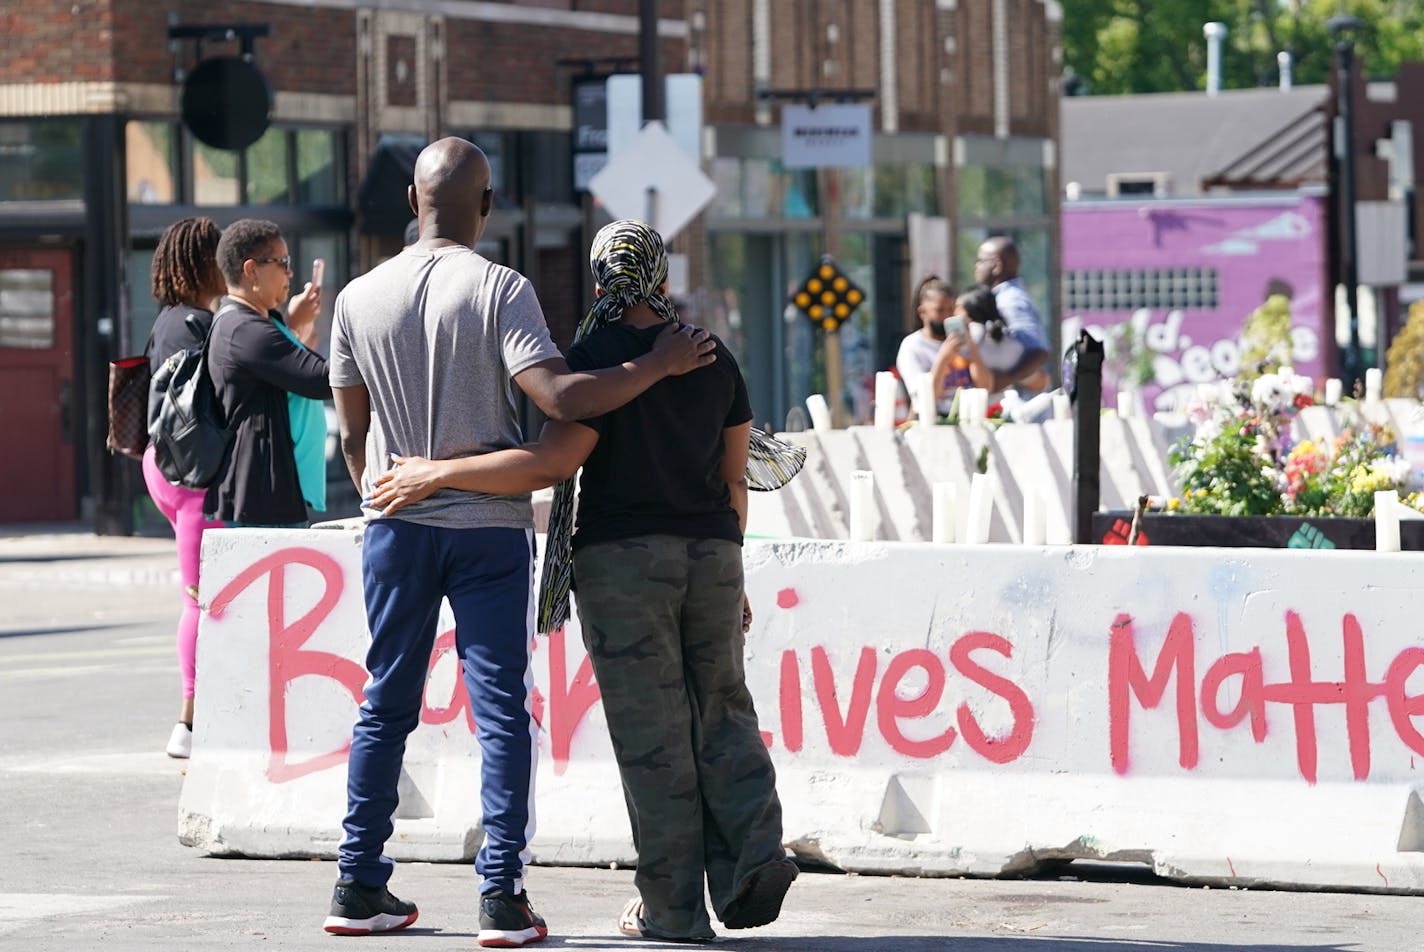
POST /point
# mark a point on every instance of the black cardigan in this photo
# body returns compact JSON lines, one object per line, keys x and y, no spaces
{"x":253,"y":366}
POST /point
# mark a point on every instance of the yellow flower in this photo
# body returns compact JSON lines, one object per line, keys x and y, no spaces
{"x":1174,"y":504}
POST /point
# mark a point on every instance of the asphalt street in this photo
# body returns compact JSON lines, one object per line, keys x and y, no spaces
{"x":88,"y":694}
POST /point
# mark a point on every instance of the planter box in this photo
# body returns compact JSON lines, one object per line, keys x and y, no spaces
{"x":1261,"y":532}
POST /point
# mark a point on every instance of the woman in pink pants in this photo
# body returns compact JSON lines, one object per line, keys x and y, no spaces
{"x":186,"y":281}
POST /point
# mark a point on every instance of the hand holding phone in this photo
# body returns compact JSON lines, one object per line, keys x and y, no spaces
{"x":318,"y":272}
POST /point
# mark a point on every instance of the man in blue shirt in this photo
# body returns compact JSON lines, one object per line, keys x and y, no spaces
{"x":997,"y":265}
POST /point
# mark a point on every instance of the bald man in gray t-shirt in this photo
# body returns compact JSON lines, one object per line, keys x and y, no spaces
{"x":436,"y":337}
{"x":426,"y":350}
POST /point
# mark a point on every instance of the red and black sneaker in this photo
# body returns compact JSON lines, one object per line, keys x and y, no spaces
{"x":507,"y":922}
{"x":362,"y":910}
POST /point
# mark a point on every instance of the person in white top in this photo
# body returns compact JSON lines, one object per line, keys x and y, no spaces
{"x":993,"y":351}
{"x":936,"y":348}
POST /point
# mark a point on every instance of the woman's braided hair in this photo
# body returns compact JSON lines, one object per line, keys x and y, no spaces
{"x":185,"y":266}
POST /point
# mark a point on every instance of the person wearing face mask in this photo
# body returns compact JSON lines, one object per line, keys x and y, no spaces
{"x":936,"y":348}
{"x":254,"y":366}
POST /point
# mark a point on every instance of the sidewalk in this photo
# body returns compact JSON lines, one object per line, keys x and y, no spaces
{"x":70,"y":553}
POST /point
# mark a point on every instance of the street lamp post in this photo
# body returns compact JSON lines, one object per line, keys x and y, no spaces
{"x":1344,"y":29}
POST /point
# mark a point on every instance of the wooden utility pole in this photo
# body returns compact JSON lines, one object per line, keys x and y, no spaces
{"x":829,"y":180}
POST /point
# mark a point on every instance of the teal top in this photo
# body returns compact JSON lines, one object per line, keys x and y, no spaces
{"x":308,"y":418}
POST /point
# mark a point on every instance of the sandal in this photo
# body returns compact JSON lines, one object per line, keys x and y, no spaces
{"x":632,"y":924}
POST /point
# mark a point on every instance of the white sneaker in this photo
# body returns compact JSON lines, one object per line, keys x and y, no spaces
{"x":180,"y":744}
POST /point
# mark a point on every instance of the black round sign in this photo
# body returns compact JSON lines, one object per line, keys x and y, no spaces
{"x":227,"y":103}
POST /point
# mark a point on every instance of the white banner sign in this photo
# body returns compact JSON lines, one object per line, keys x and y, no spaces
{"x":825,"y":136}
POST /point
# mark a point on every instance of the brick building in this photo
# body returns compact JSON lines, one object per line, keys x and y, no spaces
{"x":95,"y":162}
{"x":965,"y":97}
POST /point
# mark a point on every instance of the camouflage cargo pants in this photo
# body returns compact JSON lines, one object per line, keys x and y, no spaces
{"x":661,"y":619}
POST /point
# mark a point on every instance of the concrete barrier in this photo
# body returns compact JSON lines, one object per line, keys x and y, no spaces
{"x":1025,"y":458}
{"x":1255,"y":718}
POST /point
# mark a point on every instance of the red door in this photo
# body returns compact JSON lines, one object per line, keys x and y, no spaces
{"x":36,"y":386}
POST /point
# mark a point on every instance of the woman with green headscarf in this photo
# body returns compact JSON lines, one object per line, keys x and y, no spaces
{"x":657,"y":564}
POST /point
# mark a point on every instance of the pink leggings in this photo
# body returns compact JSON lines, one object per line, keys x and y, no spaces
{"x":184,"y":508}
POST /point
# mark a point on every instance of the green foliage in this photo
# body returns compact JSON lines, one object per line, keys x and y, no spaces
{"x":1404,"y":364}
{"x":1129,"y":362}
{"x":1266,"y":338}
{"x":1146,"y":46}
{"x":1226,"y":474}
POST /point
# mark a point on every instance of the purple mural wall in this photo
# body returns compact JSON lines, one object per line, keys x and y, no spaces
{"x":1185,"y":274}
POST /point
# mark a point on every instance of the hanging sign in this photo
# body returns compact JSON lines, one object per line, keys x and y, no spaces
{"x":825,"y":136}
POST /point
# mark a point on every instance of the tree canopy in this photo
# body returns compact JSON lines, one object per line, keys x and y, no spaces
{"x":1147,"y":46}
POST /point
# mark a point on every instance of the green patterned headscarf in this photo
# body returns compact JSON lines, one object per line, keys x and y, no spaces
{"x":630,"y":265}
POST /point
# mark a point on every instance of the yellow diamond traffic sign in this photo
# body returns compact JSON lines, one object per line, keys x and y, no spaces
{"x":828,"y":297}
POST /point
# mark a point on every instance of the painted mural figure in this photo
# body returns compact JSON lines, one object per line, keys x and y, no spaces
{"x":424,"y":348}
{"x":997,"y":265}
{"x":657,"y":563}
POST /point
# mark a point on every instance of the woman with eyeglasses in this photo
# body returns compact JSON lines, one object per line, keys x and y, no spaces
{"x":255,"y":364}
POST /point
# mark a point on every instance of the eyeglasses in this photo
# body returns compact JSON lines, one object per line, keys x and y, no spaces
{"x":284,"y":262}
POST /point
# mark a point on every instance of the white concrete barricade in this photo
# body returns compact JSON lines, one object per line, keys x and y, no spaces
{"x":1252,"y":718}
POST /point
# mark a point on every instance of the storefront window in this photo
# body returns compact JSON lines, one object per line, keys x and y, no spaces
{"x":143,"y":309}
{"x":802,"y":198}
{"x":267,"y":178}
{"x":150,"y":160}
{"x":215,"y":178}
{"x":758,"y":188}
{"x":726,"y":175}
{"x":986,"y":190}
{"x":41,"y":161}
{"x":330,"y":247}
{"x":319,"y":181}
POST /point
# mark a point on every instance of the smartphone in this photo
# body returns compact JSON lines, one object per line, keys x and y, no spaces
{"x":318,"y":272}
{"x":955,"y":325}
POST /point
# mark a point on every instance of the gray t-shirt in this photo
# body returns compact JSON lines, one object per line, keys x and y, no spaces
{"x":435,"y":337}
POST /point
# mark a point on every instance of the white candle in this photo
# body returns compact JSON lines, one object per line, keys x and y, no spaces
{"x":887,"y":389}
{"x":1062,"y":406}
{"x":928,"y":399}
{"x":1387,"y":521}
{"x":862,"y":506}
{"x":1124,"y":403}
{"x":973,"y":404}
{"x":942,"y":506}
{"x":820,"y":412}
{"x":1035,"y":519}
{"x":981,"y":509}
{"x":1374,"y":385}
{"x":1332,"y":391}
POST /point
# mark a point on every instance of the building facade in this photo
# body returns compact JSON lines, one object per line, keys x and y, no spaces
{"x":965,"y":100}
{"x":95,"y":162}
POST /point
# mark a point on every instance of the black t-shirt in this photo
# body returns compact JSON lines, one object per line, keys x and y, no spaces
{"x":656,"y":469}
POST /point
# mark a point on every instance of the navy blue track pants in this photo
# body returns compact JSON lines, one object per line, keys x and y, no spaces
{"x":487,"y":574}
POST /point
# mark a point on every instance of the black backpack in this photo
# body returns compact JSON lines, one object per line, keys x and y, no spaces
{"x":191,"y":434}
